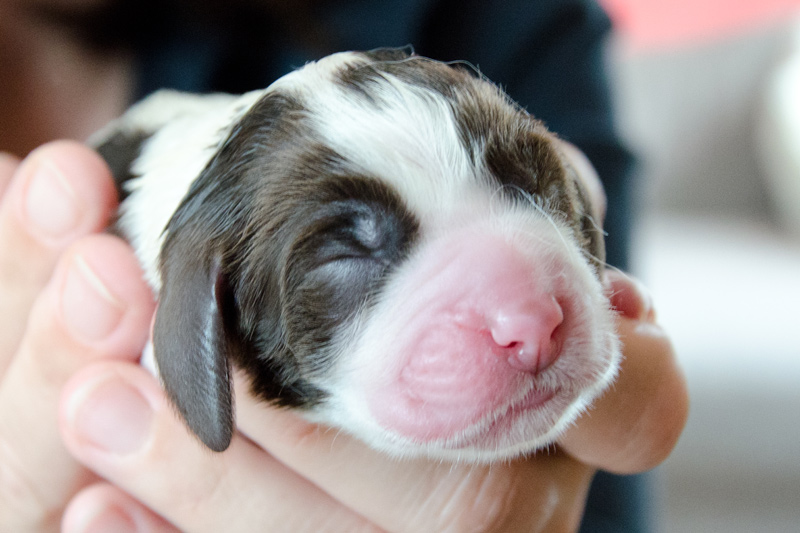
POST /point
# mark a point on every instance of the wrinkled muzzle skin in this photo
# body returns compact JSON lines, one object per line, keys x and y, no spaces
{"x":487,"y":346}
{"x":383,"y":242}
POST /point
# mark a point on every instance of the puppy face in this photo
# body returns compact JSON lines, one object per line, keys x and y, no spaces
{"x":381,"y":241}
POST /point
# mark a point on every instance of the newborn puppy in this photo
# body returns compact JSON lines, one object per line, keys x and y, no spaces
{"x":383,"y":242}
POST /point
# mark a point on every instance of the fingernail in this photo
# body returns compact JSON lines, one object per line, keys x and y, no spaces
{"x":113,"y":417}
{"x":90,"y":310}
{"x":111,"y":520}
{"x":51,"y":205}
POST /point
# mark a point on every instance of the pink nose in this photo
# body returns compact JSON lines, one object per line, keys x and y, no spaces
{"x":529,"y":338}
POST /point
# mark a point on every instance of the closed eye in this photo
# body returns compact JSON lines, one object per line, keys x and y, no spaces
{"x":359,"y":231}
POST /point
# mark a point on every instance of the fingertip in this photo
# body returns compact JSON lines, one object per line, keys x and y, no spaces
{"x":74,"y":155}
{"x":629,"y":296}
{"x":8,"y":165}
{"x":637,"y":423}
{"x":95,"y":307}
{"x":104,"y":508}
{"x":669,"y":405}
{"x":61,"y":190}
{"x":103,"y":299}
{"x":107,"y":413}
{"x":109,"y":416}
{"x":8,"y":161}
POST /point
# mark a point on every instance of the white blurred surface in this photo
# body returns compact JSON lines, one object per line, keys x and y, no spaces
{"x":728,"y":293}
{"x":778,"y":135}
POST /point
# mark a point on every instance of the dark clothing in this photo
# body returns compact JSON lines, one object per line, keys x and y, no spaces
{"x":547,"y":54}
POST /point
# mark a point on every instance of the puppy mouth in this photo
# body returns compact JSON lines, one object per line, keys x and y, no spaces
{"x":529,"y":417}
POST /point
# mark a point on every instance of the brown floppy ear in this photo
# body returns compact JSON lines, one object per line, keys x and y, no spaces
{"x":192,"y":346}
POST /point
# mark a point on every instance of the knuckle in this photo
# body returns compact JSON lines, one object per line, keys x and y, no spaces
{"x":47,"y":349}
{"x":22,"y":506}
{"x":24,"y":265}
{"x":193,"y":502}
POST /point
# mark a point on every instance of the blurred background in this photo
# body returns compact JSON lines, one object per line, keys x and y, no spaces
{"x":708,"y":95}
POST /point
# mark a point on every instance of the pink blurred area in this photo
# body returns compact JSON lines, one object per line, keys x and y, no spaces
{"x":649,"y":24}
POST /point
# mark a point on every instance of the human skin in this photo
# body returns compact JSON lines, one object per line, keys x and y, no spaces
{"x":75,"y":406}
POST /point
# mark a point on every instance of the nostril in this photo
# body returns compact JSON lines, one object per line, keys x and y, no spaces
{"x":530,"y":339}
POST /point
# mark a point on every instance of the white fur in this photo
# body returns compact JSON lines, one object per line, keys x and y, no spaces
{"x":189,"y":130}
{"x":411,"y":142}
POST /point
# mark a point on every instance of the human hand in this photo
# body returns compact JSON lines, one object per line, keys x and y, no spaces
{"x":284,"y":474}
{"x":62,"y":305}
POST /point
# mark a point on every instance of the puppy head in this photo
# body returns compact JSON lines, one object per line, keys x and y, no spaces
{"x":390,"y":245}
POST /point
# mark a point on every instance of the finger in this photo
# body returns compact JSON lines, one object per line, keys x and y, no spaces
{"x":96,"y":306}
{"x":588,"y":177}
{"x":636,"y":424}
{"x":60,"y":192}
{"x":628,"y":296}
{"x":545,"y":493}
{"x":103,"y":508}
{"x":8,"y":165}
{"x":116,"y":420}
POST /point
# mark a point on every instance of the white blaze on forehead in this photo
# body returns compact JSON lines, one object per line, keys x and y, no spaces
{"x":189,"y":131}
{"x":316,"y":75}
{"x":407,"y":136}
